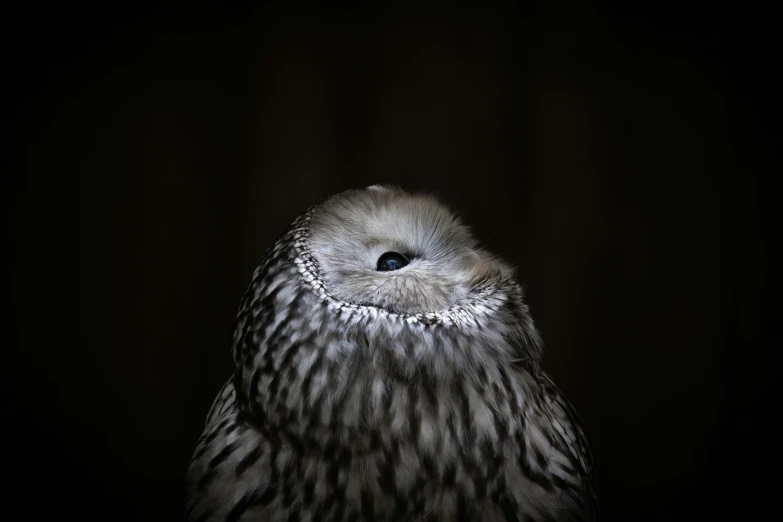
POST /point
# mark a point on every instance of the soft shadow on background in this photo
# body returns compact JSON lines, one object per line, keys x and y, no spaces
{"x":624,"y":160}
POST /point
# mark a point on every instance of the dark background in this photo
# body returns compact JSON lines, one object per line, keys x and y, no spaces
{"x":626,"y":159}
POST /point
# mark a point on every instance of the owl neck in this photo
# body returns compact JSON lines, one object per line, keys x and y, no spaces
{"x":325,"y":378}
{"x":324,"y":385}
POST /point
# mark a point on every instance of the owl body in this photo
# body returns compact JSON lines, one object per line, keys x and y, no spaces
{"x":387,"y":368}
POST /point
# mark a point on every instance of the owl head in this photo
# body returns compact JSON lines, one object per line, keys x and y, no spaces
{"x":370,"y":288}
{"x":404,"y":253}
{"x":383,"y":275}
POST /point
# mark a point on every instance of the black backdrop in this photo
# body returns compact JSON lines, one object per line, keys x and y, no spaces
{"x":624,"y":158}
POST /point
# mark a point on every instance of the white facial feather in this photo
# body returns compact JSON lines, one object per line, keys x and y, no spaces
{"x":350,"y":231}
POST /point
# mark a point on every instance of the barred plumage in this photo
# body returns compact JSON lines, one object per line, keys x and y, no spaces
{"x":412,"y":394}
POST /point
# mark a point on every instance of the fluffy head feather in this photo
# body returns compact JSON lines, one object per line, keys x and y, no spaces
{"x":350,"y":231}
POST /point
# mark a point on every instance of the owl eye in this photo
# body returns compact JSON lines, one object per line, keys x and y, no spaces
{"x":391,"y":261}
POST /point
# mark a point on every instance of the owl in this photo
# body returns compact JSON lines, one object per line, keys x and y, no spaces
{"x":387,"y":368}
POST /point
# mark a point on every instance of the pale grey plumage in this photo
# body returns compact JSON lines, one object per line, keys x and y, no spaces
{"x":413,"y":394}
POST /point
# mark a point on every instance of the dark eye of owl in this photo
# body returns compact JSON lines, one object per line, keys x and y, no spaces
{"x":391,"y":261}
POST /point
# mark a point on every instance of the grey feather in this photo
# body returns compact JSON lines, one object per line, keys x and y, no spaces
{"x":413,"y":394}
